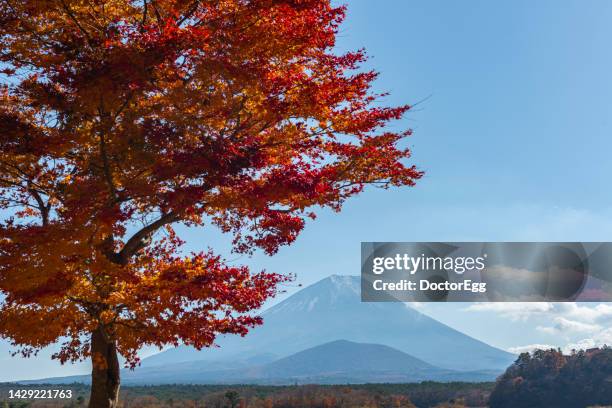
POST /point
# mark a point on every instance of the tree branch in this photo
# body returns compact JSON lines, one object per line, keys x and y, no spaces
{"x":43,"y":208}
{"x":75,"y":21}
{"x":138,"y":240}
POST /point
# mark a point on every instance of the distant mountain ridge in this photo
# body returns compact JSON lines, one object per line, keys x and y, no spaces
{"x":343,"y":361}
{"x":337,"y":362}
{"x":330,"y":310}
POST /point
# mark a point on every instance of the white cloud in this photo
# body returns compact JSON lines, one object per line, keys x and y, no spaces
{"x":415,"y":305}
{"x":546,"y":329}
{"x":566,"y":326}
{"x":583,"y":344}
{"x":529,"y":348}
{"x":598,"y":314}
{"x":513,"y":310}
{"x":602,"y":338}
{"x":601,"y":312}
{"x":509,"y":273}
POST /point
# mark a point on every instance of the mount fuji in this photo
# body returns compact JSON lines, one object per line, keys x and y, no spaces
{"x":331,"y":310}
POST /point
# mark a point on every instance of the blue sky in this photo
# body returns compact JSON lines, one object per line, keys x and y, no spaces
{"x":513,"y":132}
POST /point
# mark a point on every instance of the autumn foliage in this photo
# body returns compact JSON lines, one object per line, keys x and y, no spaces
{"x":548,"y":378}
{"x":120,"y":118}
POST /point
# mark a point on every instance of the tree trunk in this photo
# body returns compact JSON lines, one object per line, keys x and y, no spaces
{"x":105,"y":372}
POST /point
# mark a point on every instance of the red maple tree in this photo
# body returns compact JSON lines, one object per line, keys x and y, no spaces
{"x":119,"y":118}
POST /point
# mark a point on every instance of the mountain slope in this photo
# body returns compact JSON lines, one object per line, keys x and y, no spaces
{"x":330,"y":310}
{"x":347,"y":356}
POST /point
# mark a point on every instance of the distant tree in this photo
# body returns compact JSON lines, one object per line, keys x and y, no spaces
{"x":548,"y":378}
{"x":120,"y":118}
{"x":233,"y":399}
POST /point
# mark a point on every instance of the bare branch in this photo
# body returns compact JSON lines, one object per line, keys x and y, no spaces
{"x":138,"y":240}
{"x":42,"y":207}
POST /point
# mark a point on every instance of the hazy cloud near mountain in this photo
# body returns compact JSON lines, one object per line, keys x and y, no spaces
{"x":512,"y":310}
{"x":529,"y":348}
{"x":604,"y":337}
{"x":572,"y":325}
{"x":563,"y":325}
